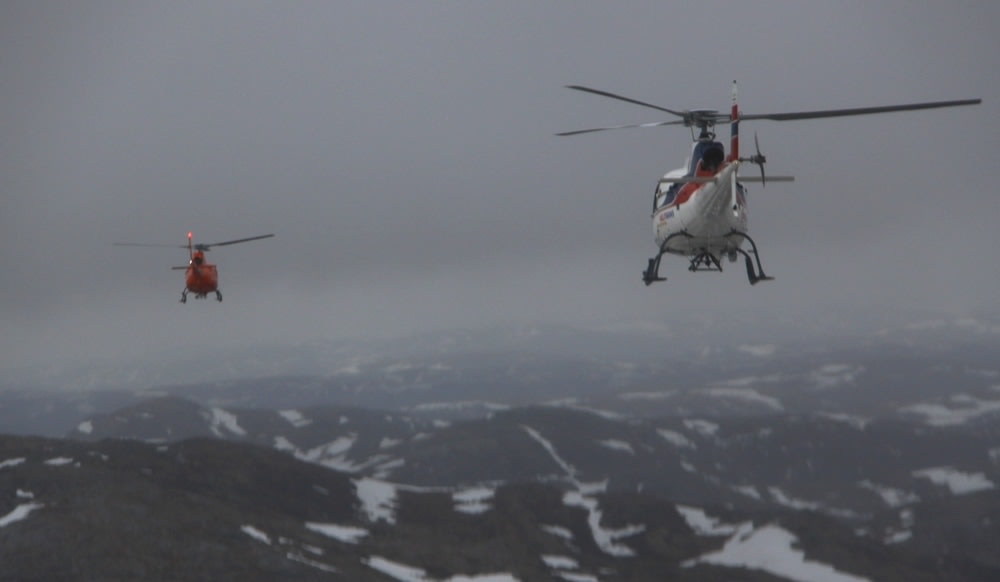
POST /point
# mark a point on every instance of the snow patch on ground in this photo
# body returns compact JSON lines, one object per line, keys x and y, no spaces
{"x":295,"y":418}
{"x":747,"y":381}
{"x":341,"y":533}
{"x":617,"y":445}
{"x":18,"y":513}
{"x":606,"y":539}
{"x":748,"y":490}
{"x":747,"y":394}
{"x":662,"y":395}
{"x":958,"y":482}
{"x":11,"y":462}
{"x":378,"y":499}
{"x":966,"y":408}
{"x":59,"y":461}
{"x":460,"y":405}
{"x":675,"y":438}
{"x":704,"y":525}
{"x":332,"y":454}
{"x":891,"y":496}
{"x":560,"y":562}
{"x":855,"y":421}
{"x":759,"y":350}
{"x":558,"y":531}
{"x":567,"y":568}
{"x":220,"y":419}
{"x":570,"y":470}
{"x":833,"y":375}
{"x":256,"y":534}
{"x":782,"y":499}
{"x":283,"y":444}
{"x":769,"y":548}
{"x":702,"y":427}
{"x":404,"y":573}
{"x":474,"y":500}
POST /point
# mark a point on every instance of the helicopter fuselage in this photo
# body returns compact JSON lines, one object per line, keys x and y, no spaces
{"x":700,"y":217}
{"x":700,"y":209}
{"x":200,"y":278}
{"x":700,"y":212}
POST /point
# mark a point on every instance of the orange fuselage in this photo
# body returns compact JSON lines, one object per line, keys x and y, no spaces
{"x":201,"y":277}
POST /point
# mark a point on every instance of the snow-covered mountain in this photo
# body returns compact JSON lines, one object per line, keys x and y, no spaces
{"x":853,"y":470}
{"x":537,"y":454}
{"x":206,"y":509}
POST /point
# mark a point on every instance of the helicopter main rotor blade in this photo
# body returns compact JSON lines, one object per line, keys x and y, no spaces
{"x":125,"y":244}
{"x":232,"y":242}
{"x":653,"y":124}
{"x":857,"y":111}
{"x":626,"y":99}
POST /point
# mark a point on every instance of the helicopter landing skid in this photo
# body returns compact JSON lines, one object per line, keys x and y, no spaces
{"x":755,"y":276}
{"x":184,"y":295}
{"x":652,"y":272}
{"x":706,"y":261}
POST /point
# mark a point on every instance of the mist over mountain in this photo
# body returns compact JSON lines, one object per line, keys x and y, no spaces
{"x":679,"y":339}
{"x":893,"y":364}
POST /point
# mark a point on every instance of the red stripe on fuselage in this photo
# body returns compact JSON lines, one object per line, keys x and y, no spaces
{"x":686,"y":191}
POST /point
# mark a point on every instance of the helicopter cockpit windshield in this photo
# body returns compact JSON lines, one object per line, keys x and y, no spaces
{"x":709,"y":154}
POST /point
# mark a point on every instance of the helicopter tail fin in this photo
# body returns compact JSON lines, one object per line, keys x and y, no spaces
{"x":734,"y":129}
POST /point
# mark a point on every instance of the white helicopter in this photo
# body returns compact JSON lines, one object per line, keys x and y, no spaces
{"x":700,"y":210}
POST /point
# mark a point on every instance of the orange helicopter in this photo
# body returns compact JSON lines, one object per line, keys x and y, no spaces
{"x":200,"y":277}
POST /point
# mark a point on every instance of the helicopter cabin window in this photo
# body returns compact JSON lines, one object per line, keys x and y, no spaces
{"x":664,"y":195}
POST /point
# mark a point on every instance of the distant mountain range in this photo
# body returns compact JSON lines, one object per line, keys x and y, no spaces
{"x":939,"y":370}
{"x":530,"y":455}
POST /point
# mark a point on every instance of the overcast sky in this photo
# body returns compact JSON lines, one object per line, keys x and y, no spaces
{"x":403,"y":154}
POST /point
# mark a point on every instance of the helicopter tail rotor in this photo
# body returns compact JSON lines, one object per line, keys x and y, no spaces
{"x":759,"y":159}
